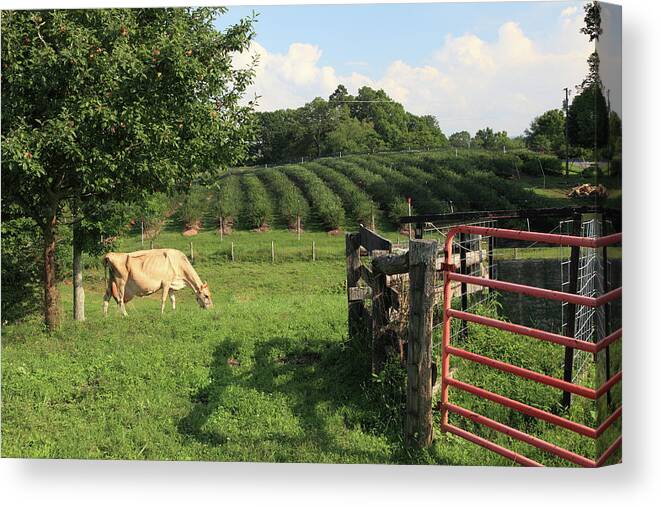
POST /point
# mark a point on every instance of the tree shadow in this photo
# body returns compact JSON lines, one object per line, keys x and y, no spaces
{"x":318,"y":380}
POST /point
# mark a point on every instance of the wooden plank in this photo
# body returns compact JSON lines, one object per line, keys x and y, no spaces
{"x":391,"y":264}
{"x":422,"y":278}
{"x":371,"y":241}
{"x":359,"y":293}
{"x":356,"y":309}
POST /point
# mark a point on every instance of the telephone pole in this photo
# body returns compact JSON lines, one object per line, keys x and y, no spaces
{"x":566,"y":108}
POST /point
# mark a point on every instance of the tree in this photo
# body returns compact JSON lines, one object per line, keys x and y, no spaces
{"x":547,"y":132}
{"x":318,"y":120}
{"x":460,"y":139}
{"x":103,"y":103}
{"x":587,"y":119}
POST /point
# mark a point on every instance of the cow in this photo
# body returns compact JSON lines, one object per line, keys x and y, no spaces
{"x":147,"y":271}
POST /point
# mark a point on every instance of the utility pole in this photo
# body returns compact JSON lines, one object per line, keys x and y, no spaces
{"x":566,"y":104}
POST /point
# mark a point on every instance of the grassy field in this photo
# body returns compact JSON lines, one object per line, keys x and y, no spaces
{"x":266,"y":375}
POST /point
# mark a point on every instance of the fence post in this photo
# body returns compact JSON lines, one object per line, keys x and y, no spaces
{"x":272,"y":251}
{"x":352,"y":250}
{"x":151,"y":244}
{"x":463,"y":240}
{"x":232,"y":250}
{"x":221,"y":228}
{"x":422,"y":277}
{"x":192,"y":255}
{"x":571,"y":308}
{"x":314,"y":251}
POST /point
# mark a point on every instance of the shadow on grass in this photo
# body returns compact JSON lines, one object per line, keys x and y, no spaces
{"x":318,"y":380}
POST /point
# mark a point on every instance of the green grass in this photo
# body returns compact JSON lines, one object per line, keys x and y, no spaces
{"x":266,"y":375}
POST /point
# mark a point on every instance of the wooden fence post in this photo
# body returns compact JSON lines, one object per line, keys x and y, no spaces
{"x":422,"y":278}
{"x":232,"y":250}
{"x":352,"y":249}
{"x":463,"y":241}
{"x":314,"y":251}
{"x":192,"y":254}
{"x":272,"y":251}
{"x":570,"y":330}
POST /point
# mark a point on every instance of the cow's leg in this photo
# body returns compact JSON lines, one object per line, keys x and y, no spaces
{"x":166,"y":290}
{"x":121,"y":289}
{"x":172,"y":299}
{"x":106,"y":298}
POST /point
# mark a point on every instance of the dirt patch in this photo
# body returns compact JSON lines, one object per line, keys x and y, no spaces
{"x":192,"y":229}
{"x":262,"y":228}
{"x":303,"y":358}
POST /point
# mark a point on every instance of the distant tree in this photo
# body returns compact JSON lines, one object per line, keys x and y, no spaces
{"x":460,"y":139}
{"x":103,"y":103}
{"x":352,"y":136}
{"x":587,"y":119}
{"x":592,"y":20}
{"x":547,"y":132}
{"x":318,"y":119}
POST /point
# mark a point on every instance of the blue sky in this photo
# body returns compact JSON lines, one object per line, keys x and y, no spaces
{"x":470,"y":64}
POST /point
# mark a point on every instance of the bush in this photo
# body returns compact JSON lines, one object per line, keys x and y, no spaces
{"x":257,"y":211}
{"x":227,"y":203}
{"x":291,"y":203}
{"x":194,"y":205}
{"x":153,"y":212}
{"x":326,"y":203}
{"x":388,"y":196}
{"x":355,"y":200}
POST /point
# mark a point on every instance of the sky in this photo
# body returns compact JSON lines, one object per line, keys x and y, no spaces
{"x":471,"y":65}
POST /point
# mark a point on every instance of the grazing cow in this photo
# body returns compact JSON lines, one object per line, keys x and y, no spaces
{"x":147,"y":271}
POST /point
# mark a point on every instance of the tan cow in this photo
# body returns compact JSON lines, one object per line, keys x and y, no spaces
{"x":147,"y":271}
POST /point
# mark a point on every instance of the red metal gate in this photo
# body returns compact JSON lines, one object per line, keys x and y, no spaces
{"x":448,"y":351}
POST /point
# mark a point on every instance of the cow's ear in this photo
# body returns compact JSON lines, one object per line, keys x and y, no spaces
{"x":205,"y":285}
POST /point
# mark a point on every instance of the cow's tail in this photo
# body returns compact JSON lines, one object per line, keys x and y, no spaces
{"x":106,"y":269}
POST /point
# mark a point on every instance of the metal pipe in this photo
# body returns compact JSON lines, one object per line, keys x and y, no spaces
{"x":523,"y":408}
{"x":586,"y":392}
{"x":539,"y":237}
{"x":523,"y":437}
{"x":536,"y":291}
{"x":615,"y":335}
{"x":507,"y":453}
{"x":523,"y":330}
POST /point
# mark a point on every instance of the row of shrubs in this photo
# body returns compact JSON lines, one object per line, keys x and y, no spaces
{"x":387,"y":194}
{"x":363,"y":186}
{"x":257,"y":210}
{"x":327,"y":205}
{"x":355,"y":200}
{"x":290,"y":202}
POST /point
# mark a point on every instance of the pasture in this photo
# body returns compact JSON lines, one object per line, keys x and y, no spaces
{"x":268,"y":374}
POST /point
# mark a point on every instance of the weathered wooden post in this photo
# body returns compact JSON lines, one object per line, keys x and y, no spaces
{"x":314,"y":251}
{"x":221,"y":228}
{"x":151,"y":244}
{"x":464,"y":287}
{"x":574,"y":260}
{"x":192,"y":254}
{"x":352,"y":250}
{"x":422,"y":278}
{"x":232,"y":250}
{"x":272,"y":251}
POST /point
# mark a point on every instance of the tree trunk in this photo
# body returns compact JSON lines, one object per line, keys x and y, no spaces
{"x":78,"y":290}
{"x":51,"y":294}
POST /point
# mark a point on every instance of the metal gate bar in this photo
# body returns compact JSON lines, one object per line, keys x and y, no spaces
{"x":448,"y":350}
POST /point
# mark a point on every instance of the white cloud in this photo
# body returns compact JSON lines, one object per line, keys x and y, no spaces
{"x":468,"y":83}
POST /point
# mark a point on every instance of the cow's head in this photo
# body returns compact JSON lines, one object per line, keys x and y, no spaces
{"x":203,"y":296}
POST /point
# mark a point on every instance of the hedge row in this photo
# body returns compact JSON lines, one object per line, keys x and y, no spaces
{"x":257,"y":210}
{"x":389,"y":197}
{"x":227,"y":204}
{"x":325,"y":202}
{"x":291,"y":203}
{"x":355,"y":200}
